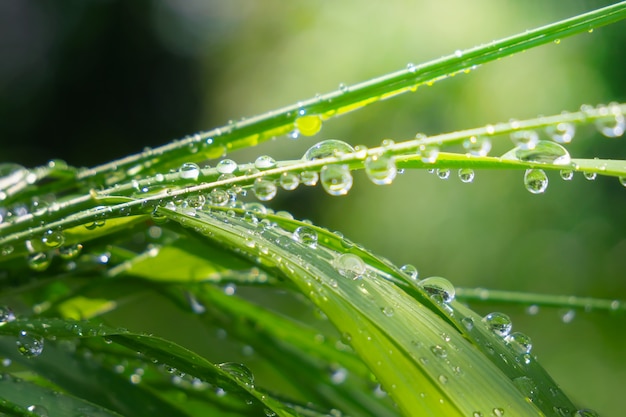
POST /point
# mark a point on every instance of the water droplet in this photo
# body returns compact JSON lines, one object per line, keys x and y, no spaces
{"x":499,"y":323}
{"x":411,"y":67}
{"x":443,"y":379}
{"x":439,"y":351}
{"x":308,"y":125}
{"x":264,"y":162}
{"x":544,"y":152}
{"x":477,"y":414}
{"x":6,"y":315}
{"x":568,"y":316}
{"x":536,"y":181}
{"x":289,"y":181}
{"x":429,"y":153}
{"x":586,"y":412}
{"x":309,"y":178}
{"x":387,"y":311}
{"x":562,"y":132}
{"x":239,"y":372}
{"x":70,"y":251}
{"x":438,"y":288}
{"x":525,"y":139}
{"x":38,"y":410}
{"x":498,"y":412}
{"x":219,"y":197}
{"x":305,"y":235}
{"x":519,"y":342}
{"x":29,"y":345}
{"x":466,"y":175}
{"x":336,"y":179}
{"x":526,"y":386}
{"x":264,"y":190}
{"x":39,"y":261}
{"x":458,"y":53}
{"x":326,"y":149}
{"x":566,"y":174}
{"x":614,"y":126}
{"x":443,"y":173}
{"x":477,"y":146}
{"x":380,"y":169}
{"x":350,"y":266}
{"x":53,"y":238}
{"x":590,"y":175}
{"x":410,"y":271}
{"x":468,"y":322}
{"x":189,"y":171}
{"x":343,"y":88}
{"x":226,"y":166}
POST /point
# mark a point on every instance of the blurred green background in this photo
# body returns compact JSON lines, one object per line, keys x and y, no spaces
{"x":89,"y":81}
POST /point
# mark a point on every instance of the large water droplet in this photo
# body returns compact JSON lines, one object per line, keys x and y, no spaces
{"x":289,"y":181}
{"x":520,"y":343}
{"x":438,"y":288}
{"x":590,"y":175}
{"x":477,"y":146}
{"x":6,"y":315}
{"x":536,"y":181}
{"x":308,"y":125}
{"x":226,"y":166}
{"x":566,"y":174}
{"x":189,"y":171}
{"x":410,"y":271}
{"x":525,"y":139}
{"x":29,"y":345}
{"x":350,"y":265}
{"x":70,"y":251}
{"x":443,"y":173}
{"x":309,"y":178}
{"x":498,"y":412}
{"x":39,"y":261}
{"x":264,"y":190}
{"x":326,"y":149}
{"x":499,"y":323}
{"x":264,"y":162}
{"x":336,"y":179}
{"x":239,"y":372}
{"x":544,"y":152}
{"x":219,"y":197}
{"x":381,"y":169}
{"x":38,"y":410}
{"x":53,"y":238}
{"x":305,"y":235}
{"x":613,"y":126}
{"x":429,"y":153}
{"x":562,"y":132}
{"x":466,"y":175}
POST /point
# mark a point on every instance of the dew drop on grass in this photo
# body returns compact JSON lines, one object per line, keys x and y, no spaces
{"x":438,"y":288}
{"x":536,"y":181}
{"x":498,"y":412}
{"x":429,"y":153}
{"x":326,"y":149}
{"x":336,"y":179}
{"x":264,"y":162}
{"x":226,"y":166}
{"x":218,"y":197}
{"x":468,"y":322}
{"x":520,"y":343}
{"x":613,"y":126}
{"x":6,"y":315}
{"x":305,"y":235}
{"x":443,"y":173}
{"x":590,"y":175}
{"x":38,"y":410}
{"x":544,"y":152}
{"x":477,"y":414}
{"x":189,"y":171}
{"x":498,"y":323}
{"x":239,"y":372}
{"x":339,"y":376}
{"x":381,"y":169}
{"x":527,"y":386}
{"x":308,"y":125}
{"x":309,"y":178}
{"x":388,"y":311}
{"x":289,"y":181}
{"x":53,"y":238}
{"x":70,"y":251}
{"x":477,"y":145}
{"x":525,"y":139}
{"x":410,"y":271}
{"x":264,"y":190}
{"x":29,"y":345}
{"x":39,"y":261}
{"x":561,"y":132}
{"x":350,"y":266}
{"x":466,"y":175}
{"x":439,"y":351}
{"x":410,"y":67}
{"x":568,"y":316}
{"x":566,"y":174}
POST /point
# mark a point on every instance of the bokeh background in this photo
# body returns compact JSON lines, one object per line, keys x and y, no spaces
{"x":89,"y":81}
